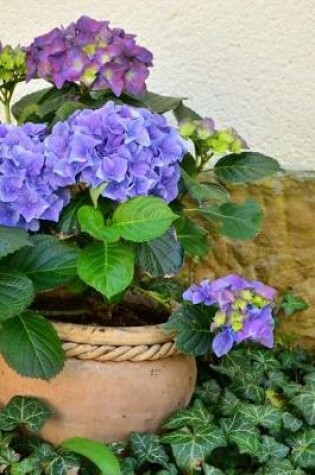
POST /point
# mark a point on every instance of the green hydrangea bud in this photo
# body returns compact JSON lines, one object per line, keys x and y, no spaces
{"x":236,"y":321}
{"x":12,"y":63}
{"x":187,"y":128}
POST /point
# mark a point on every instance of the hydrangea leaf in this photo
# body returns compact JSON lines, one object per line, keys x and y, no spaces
{"x":305,"y":402}
{"x":210,"y":470}
{"x":209,"y":392}
{"x":242,"y":433}
{"x":195,"y":417}
{"x":143,"y":218}
{"x":245,"y":167}
{"x":161,"y":256}
{"x":303,"y":448}
{"x":27,"y":411}
{"x":236,"y":221}
{"x":148,"y":449}
{"x":192,"y":323}
{"x":68,"y":221}
{"x":183,"y":112}
{"x":292,"y":303}
{"x":92,"y":222}
{"x":30,"y":345}
{"x":204,"y":192}
{"x":96,"y":452}
{"x":16,"y":294}
{"x":193,"y":237}
{"x":107,"y":267}
{"x":67,"y":109}
{"x":49,"y":263}
{"x":160,"y":104}
{"x":191,"y":449}
{"x":29,"y":100}
{"x":12,"y":239}
{"x":271,"y":448}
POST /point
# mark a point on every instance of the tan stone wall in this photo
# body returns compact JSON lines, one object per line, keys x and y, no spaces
{"x":283,"y":254}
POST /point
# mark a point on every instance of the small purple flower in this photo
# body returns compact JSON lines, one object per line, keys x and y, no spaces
{"x":92,"y":53}
{"x":258,"y":327}
{"x":223,"y":342}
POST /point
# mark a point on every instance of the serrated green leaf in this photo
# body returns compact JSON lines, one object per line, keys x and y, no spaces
{"x":303,"y":448}
{"x":182,"y":112}
{"x":49,"y":263}
{"x":12,"y":239}
{"x":160,"y":104}
{"x":236,"y":221}
{"x":292,"y":303}
{"x":271,"y":448}
{"x":67,"y":109}
{"x":16,"y":294}
{"x":148,"y":449}
{"x":161,"y":256}
{"x":245,"y":167}
{"x":27,"y":411}
{"x":204,"y":192}
{"x":193,"y":237}
{"x":197,"y":416}
{"x":91,"y":221}
{"x":143,"y":218}
{"x":68,"y":221}
{"x":30,"y":345}
{"x":192,"y":325}
{"x":96,"y":452}
{"x":107,"y":267}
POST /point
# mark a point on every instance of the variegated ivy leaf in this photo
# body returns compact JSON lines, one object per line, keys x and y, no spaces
{"x":209,"y":392}
{"x":305,"y":402}
{"x":281,"y":467}
{"x":7,"y":457}
{"x":303,"y":448}
{"x":148,"y":449}
{"x":243,"y":434}
{"x":210,"y":470}
{"x":266,"y":416}
{"x":27,"y":411}
{"x":271,"y":448}
{"x":291,"y":422}
{"x":195,"y":417}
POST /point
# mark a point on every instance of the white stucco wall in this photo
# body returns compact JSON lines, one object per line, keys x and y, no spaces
{"x":247,"y":63}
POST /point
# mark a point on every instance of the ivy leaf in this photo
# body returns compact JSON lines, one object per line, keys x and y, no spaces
{"x":12,"y":239}
{"x":192,"y":324}
{"x":236,"y":221}
{"x":210,"y":470}
{"x":107,"y":267}
{"x":7,"y":457}
{"x":242,"y":433}
{"x":229,"y":403}
{"x":197,"y":416}
{"x":245,"y":167}
{"x":96,"y":452}
{"x":266,"y":416}
{"x":49,"y":263}
{"x":16,"y":294}
{"x":291,"y":422}
{"x":142,"y":219}
{"x":128,"y":466}
{"x":303,"y":448}
{"x":192,"y":236}
{"x":204,"y":192}
{"x":305,"y":402}
{"x":191,"y":449}
{"x":209,"y":392}
{"x":271,"y":448}
{"x":27,"y":411}
{"x":148,"y":449}
{"x":92,"y":222}
{"x":291,"y":303}
{"x":279,"y":467}
{"x":30,"y":345}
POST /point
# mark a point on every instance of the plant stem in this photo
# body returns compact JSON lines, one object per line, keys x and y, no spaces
{"x":7,"y":111}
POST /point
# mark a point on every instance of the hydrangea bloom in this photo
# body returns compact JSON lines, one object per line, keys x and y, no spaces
{"x":25,"y":192}
{"x":244,"y":310}
{"x":130,"y":151}
{"x":92,"y":53}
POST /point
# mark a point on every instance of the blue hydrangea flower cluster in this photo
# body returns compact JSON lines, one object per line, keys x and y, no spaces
{"x":244,"y":310}
{"x":26,"y":194}
{"x":92,"y":53}
{"x":130,"y":151}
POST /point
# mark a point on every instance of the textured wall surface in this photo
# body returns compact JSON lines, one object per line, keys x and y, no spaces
{"x":249,"y":64}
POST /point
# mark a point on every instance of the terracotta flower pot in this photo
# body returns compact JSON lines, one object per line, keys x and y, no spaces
{"x":115,"y":381}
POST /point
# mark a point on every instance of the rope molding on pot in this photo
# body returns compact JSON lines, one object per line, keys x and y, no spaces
{"x":104,"y":353}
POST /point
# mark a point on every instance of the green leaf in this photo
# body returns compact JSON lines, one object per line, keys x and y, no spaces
{"x":30,"y":345}
{"x":236,"y":221}
{"x":242,"y":433}
{"x":209,"y":392}
{"x":303,"y":448}
{"x":229,"y":403}
{"x":160,"y":104}
{"x":148,"y":449}
{"x":197,"y":416}
{"x":183,"y":112}
{"x":210,"y":470}
{"x":27,"y":411}
{"x":67,"y":109}
{"x":92,"y":222}
{"x":266,"y":416}
{"x":12,"y":239}
{"x":291,"y":422}
{"x":291,"y":303}
{"x":192,"y":324}
{"x":305,"y":402}
{"x":143,"y":218}
{"x":279,"y":467}
{"x":162,"y":256}
{"x":49,"y":263}
{"x":245,"y":167}
{"x":16,"y":294}
{"x":7,"y":457}
{"x":107,"y":267}
{"x":68,"y":222}
{"x":204,"y":192}
{"x":191,"y":449}
{"x":271,"y":448}
{"x":192,"y":236}
{"x":29,"y":100}
{"x":96,"y":452}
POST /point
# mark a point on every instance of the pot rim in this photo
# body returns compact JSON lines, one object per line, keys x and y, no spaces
{"x":114,"y":336}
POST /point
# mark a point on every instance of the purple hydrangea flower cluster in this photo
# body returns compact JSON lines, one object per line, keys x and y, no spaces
{"x":244,"y":310}
{"x":130,"y":151}
{"x":26,"y":194}
{"x":92,"y":53}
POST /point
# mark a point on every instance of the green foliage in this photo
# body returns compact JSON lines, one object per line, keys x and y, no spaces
{"x":16,"y":294}
{"x":30,"y":345}
{"x":12,"y":239}
{"x":27,"y":411}
{"x":225,"y":431}
{"x":192,"y":236}
{"x":245,"y":167}
{"x":292,"y":303}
